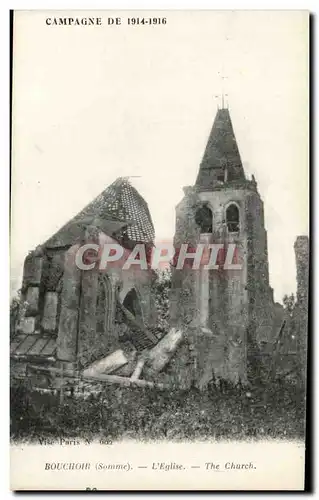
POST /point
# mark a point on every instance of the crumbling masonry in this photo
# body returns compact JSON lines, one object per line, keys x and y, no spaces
{"x":101,"y":325}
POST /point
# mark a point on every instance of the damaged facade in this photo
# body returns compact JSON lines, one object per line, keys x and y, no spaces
{"x":74,"y":317}
{"x":227,"y":313}
{"x":102,"y":325}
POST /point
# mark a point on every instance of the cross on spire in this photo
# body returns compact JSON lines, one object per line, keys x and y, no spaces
{"x":223,"y":94}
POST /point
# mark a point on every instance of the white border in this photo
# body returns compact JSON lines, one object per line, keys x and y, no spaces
{"x":4,"y":167}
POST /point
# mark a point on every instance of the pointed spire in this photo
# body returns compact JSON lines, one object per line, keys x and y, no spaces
{"x":221,"y":160}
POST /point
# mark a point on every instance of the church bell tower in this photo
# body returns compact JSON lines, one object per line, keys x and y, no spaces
{"x":226,"y":311}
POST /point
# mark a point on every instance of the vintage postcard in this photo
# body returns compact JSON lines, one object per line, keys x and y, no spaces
{"x":159,"y":253}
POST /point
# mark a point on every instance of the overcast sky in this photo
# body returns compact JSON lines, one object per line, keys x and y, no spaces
{"x":91,"y":104}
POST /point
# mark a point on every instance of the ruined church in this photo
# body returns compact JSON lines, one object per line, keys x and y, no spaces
{"x":228,"y":312}
{"x":74,"y":317}
{"x":92,"y":325}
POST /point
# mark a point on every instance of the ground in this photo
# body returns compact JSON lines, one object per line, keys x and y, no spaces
{"x":275,"y":411}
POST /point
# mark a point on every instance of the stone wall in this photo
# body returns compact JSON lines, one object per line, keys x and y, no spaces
{"x":212,"y":301}
{"x":41,"y":290}
{"x":70,"y":308}
{"x":261,"y":306}
{"x":235,"y":305}
{"x":80,"y":337}
{"x":61,"y":301}
{"x":300,"y":313}
{"x":30,"y":293}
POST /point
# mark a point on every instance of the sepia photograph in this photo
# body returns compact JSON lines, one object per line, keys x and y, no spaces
{"x":159,"y":250}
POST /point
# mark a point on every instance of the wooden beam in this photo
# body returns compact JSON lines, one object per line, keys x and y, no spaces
{"x":131,"y":319}
{"x":161,"y":354}
{"x":124,"y":381}
{"x":109,"y":379}
{"x":138,"y":369}
{"x":53,"y":369}
{"x":106,"y":365}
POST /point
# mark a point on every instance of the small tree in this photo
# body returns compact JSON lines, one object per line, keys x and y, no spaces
{"x":289,"y":303}
{"x":291,"y":334}
{"x":162,"y":286}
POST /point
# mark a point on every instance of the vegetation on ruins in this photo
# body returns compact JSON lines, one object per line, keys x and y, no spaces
{"x":162,"y":286}
{"x":270,"y":408}
{"x":274,"y":410}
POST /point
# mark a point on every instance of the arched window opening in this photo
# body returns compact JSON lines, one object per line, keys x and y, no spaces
{"x":232,"y":218}
{"x":132,"y":304}
{"x":204,"y":219}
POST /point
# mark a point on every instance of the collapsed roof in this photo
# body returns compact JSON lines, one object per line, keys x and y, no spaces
{"x":119,"y":211}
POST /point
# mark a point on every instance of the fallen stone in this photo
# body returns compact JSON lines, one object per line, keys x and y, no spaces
{"x":27,"y":325}
{"x":107,"y":365}
{"x":127,"y":369}
{"x":160,"y":355}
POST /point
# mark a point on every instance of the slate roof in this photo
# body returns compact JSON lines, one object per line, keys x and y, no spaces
{"x":221,"y":151}
{"x":119,"y":211}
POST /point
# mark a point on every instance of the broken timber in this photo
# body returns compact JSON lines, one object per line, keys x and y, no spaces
{"x":153,"y":360}
{"x":161,"y":354}
{"x":138,"y":369}
{"x":131,"y":321}
{"x":107,"y":364}
{"x":98,"y":377}
{"x":123,"y":381}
